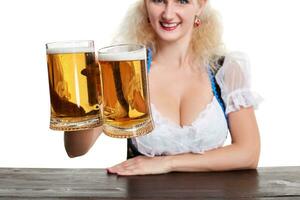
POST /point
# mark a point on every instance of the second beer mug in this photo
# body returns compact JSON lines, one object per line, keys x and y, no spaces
{"x":126,"y":106}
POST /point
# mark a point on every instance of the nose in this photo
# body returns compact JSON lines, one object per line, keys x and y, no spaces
{"x":168,"y":12}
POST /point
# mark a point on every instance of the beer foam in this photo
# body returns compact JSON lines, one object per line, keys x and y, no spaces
{"x":121,"y":53}
{"x":70,"y":50}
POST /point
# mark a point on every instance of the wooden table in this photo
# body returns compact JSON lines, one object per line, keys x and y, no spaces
{"x":265,"y":183}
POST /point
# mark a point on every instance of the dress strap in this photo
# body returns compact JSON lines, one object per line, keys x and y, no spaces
{"x":216,"y":90}
{"x":149,"y":59}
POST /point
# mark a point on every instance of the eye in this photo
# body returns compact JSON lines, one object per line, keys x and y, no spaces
{"x":157,"y":1}
{"x":183,"y":1}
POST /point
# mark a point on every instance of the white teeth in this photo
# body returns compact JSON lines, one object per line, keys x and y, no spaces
{"x":171,"y":25}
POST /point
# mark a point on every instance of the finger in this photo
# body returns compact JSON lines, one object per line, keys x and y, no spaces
{"x":118,"y":165}
{"x":124,"y":163}
{"x":127,"y":172}
{"x":123,"y":168}
{"x":115,"y":169}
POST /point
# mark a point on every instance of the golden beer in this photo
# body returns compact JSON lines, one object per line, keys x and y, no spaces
{"x":75,"y":88}
{"x":126,"y":110}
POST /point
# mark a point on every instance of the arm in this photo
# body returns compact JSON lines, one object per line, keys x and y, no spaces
{"x":78,"y":143}
{"x":243,"y":153}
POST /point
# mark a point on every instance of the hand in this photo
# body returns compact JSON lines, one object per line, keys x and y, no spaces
{"x":142,"y":165}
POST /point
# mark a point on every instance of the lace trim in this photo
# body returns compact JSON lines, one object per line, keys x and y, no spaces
{"x":144,"y":149}
{"x":242,"y":98}
{"x":150,"y":152}
{"x":201,"y":114}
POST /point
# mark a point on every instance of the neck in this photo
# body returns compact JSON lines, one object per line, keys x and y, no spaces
{"x":173,"y":54}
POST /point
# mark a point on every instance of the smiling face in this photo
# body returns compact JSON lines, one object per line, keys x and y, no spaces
{"x":172,"y":19}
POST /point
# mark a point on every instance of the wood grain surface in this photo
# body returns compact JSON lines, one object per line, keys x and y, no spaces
{"x":263,"y":183}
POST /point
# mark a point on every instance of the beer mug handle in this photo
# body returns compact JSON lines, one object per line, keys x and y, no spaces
{"x":149,"y":59}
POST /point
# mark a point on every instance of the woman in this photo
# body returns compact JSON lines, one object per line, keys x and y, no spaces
{"x":190,"y":126}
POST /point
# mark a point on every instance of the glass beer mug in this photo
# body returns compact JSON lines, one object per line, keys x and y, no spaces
{"x":74,"y":83}
{"x":126,"y":105}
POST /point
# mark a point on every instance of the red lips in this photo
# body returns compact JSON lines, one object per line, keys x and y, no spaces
{"x":169,"y":26}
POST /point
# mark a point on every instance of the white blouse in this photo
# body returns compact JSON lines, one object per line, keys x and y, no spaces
{"x":209,"y":130}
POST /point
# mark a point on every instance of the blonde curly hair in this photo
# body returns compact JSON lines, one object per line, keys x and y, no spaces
{"x":206,"y":43}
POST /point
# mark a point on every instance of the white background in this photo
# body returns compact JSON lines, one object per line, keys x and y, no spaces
{"x":266,"y":30}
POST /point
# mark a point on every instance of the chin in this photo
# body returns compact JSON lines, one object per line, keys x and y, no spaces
{"x":167,"y":37}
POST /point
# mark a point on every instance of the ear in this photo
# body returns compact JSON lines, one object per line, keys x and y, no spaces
{"x":202,"y":4}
